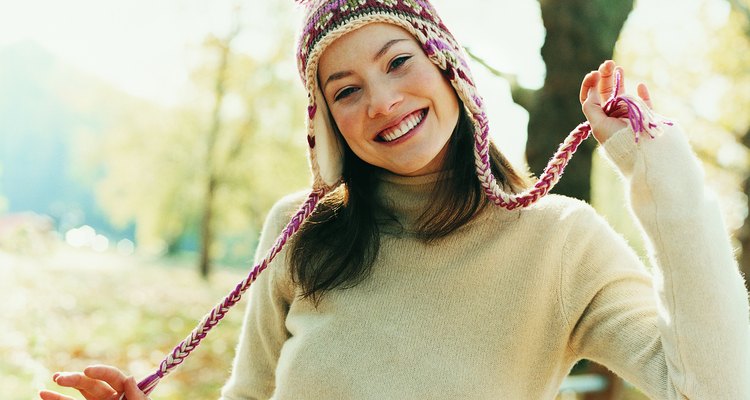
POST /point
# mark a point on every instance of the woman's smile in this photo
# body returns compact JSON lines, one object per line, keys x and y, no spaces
{"x":404,"y":129}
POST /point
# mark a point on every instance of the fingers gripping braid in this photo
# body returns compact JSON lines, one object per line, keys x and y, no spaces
{"x":640,"y":117}
{"x":211,"y":319}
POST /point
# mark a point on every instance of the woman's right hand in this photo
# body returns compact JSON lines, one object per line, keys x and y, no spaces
{"x":97,"y":382}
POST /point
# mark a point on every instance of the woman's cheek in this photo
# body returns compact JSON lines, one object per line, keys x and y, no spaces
{"x":424,"y":79}
{"x":348,"y":125}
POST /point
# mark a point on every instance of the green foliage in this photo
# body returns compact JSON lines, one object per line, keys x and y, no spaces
{"x":155,"y":160}
{"x":150,"y":174}
{"x":730,"y":56}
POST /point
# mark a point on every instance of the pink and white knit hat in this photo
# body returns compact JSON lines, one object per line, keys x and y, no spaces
{"x":327,"y":20}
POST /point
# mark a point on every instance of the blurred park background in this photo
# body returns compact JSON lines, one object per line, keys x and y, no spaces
{"x":142,"y":143}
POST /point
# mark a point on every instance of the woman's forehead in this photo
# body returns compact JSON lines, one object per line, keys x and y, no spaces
{"x":367,"y":41}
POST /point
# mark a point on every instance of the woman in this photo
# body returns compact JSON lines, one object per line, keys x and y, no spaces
{"x":408,"y":283}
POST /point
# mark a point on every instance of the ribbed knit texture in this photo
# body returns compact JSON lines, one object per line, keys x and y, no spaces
{"x":503,"y":307}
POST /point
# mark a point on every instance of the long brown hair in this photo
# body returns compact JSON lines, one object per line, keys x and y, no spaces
{"x":338,"y":244}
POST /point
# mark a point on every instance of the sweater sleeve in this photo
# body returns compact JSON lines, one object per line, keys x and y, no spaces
{"x":263,"y":330}
{"x":680,"y":330}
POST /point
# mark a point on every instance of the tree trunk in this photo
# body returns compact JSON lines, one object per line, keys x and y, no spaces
{"x":206,"y":231}
{"x":580,"y":35}
{"x":210,"y":164}
{"x":743,"y":234}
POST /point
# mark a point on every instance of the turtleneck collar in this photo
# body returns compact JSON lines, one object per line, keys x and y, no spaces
{"x":407,"y":197}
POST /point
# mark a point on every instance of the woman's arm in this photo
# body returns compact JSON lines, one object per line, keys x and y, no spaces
{"x":684,"y":332}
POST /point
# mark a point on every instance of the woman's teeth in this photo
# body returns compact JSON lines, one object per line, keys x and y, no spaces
{"x":403,"y":128}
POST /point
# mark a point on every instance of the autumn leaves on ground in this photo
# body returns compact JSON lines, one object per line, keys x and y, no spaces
{"x":72,"y":308}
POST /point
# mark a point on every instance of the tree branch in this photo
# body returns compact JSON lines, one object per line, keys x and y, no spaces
{"x":522,"y":96}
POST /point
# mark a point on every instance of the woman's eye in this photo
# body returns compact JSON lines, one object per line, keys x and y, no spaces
{"x":398,"y":62}
{"x":344,"y":93}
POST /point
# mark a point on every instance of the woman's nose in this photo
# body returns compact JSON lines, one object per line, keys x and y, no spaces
{"x":384,"y":99}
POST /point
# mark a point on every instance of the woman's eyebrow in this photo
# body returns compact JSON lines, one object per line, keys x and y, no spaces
{"x":336,"y":76}
{"x":380,"y":53}
{"x":385,"y":48}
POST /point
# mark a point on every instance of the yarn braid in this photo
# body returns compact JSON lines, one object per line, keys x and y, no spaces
{"x":640,"y":117}
{"x":182,"y":350}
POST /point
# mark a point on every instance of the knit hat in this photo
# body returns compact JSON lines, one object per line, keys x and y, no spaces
{"x":327,"y":20}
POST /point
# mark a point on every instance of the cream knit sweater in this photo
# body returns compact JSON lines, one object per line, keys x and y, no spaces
{"x":503,"y":307}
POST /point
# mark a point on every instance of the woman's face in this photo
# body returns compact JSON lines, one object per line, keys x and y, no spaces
{"x":391,"y":104}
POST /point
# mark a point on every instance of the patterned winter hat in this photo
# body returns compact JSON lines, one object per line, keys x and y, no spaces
{"x":327,"y":20}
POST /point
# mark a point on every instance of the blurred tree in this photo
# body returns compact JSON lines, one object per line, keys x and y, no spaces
{"x":223,"y":47}
{"x":580,"y":35}
{"x":149,"y":175}
{"x":733,"y":60}
{"x":214,"y":166}
{"x":232,"y":147}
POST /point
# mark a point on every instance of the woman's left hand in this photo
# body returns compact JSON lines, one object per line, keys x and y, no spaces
{"x":598,"y":85}
{"x":97,"y":382}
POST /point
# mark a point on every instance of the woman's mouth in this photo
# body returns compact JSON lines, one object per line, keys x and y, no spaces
{"x":404,"y":127}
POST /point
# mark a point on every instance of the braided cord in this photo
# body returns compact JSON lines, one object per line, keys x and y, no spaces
{"x":549,"y":178}
{"x":641,"y":119}
{"x":179,"y":353}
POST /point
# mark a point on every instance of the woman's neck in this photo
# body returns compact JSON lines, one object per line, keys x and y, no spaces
{"x":406,"y":198}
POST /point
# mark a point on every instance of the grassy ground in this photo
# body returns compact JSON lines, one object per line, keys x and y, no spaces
{"x":71,"y":309}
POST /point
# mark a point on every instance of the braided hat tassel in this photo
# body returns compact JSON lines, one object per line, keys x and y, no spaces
{"x":182,"y":350}
{"x":640,"y":117}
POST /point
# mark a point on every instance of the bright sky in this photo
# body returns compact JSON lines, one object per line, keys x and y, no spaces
{"x":145,"y":47}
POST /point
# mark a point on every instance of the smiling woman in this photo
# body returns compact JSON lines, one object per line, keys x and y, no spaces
{"x":402,"y":280}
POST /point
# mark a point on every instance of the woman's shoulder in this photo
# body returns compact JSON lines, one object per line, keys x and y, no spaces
{"x":286,"y":206}
{"x":560,"y":206}
{"x":282,"y":211}
{"x":551,"y":210}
